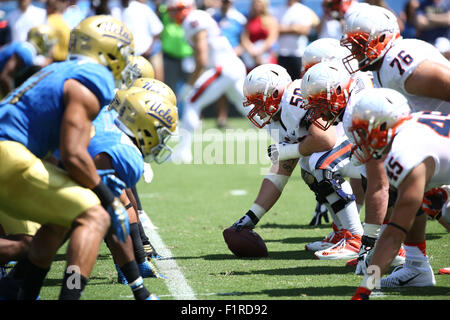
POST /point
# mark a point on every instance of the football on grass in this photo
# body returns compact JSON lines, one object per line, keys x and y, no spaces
{"x":245,"y":243}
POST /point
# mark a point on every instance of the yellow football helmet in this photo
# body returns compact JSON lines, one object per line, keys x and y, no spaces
{"x":137,"y":67}
{"x":43,"y":38}
{"x":156,"y":86}
{"x":104,"y":39}
{"x":149,"y":119}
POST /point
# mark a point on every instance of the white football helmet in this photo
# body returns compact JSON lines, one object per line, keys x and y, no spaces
{"x":263,"y":88}
{"x":322,"y":49}
{"x":326,"y":89}
{"x":373,"y":121}
{"x":179,"y":9}
{"x":368,"y":33}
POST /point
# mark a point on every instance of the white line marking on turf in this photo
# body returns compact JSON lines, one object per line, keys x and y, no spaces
{"x":238,"y":192}
{"x":176,"y":282}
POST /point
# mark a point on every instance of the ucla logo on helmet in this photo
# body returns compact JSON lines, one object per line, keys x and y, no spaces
{"x":161,"y":114}
{"x":118,"y":31}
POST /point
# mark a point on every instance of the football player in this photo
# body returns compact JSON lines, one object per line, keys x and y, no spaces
{"x":326,"y":49}
{"x":415,"y":150}
{"x":276,"y":104}
{"x":328,"y":90}
{"x":16,"y":57}
{"x":54,"y":109}
{"x":218,"y":71}
{"x":137,"y":128}
{"x":413,"y":67}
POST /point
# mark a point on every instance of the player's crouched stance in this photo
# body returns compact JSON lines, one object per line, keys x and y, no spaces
{"x":54,"y":109}
{"x":276,"y":103}
{"x":148,"y":120}
{"x":415,"y":147}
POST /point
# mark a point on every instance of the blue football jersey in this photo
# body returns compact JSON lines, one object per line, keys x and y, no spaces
{"x":32,"y":113}
{"x":126,"y":158}
{"x":24,"y":51}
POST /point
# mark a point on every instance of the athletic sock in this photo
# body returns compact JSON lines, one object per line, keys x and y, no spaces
{"x":135,"y":281}
{"x":34,"y":279}
{"x":418,"y":249}
{"x":138,"y":247}
{"x":73,"y":286}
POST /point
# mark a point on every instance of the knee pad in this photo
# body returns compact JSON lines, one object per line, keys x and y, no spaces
{"x":332,"y":184}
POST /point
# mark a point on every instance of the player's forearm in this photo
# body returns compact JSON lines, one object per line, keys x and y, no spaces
{"x":387,"y":248}
{"x":81,"y":168}
{"x":268,"y":195}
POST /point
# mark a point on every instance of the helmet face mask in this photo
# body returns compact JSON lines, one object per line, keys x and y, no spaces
{"x":374,"y":122}
{"x":103,"y":39}
{"x":179,"y":9}
{"x":264,"y":88}
{"x":149,"y":119}
{"x":326,"y":89}
{"x":137,"y":67}
{"x":368,"y":34}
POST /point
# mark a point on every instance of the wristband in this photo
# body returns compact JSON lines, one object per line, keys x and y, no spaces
{"x":252,"y":217}
{"x":257,"y":210}
{"x":128,"y":206}
{"x":104,"y":194}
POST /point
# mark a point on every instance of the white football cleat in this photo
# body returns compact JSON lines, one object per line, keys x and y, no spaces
{"x":330,"y":240}
{"x":413,"y":273}
{"x":399,"y":258}
{"x":347,"y":248}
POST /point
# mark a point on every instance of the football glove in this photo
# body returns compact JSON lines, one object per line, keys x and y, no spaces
{"x":364,"y":255}
{"x":320,"y":213}
{"x":119,"y":220}
{"x":112,"y":181}
{"x":283,"y":151}
{"x":361,"y":294}
{"x":432,"y":203}
{"x":272,"y":152}
{"x":249,"y":221}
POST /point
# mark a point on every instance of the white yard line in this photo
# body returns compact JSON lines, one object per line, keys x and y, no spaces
{"x":176,"y":282}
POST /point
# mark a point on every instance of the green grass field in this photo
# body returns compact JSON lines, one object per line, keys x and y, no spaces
{"x":192,"y":204}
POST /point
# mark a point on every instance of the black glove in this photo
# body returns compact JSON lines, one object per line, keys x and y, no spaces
{"x":249,"y":221}
{"x":320,"y":212}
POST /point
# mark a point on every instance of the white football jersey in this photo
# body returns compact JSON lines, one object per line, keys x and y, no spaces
{"x":292,"y":126}
{"x":398,"y":64}
{"x":426,"y":135}
{"x":220,"y":50}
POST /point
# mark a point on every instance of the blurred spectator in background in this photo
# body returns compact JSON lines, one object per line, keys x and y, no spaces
{"x":73,"y":14}
{"x":55,"y":10}
{"x":232,"y":23}
{"x":296,"y":22}
{"x":177,"y":54}
{"x":260,"y":35}
{"x":25,"y":17}
{"x":433,"y":22}
{"x":99,"y":7}
{"x":146,"y":28}
{"x":5,"y":29}
{"x":408,"y":16}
